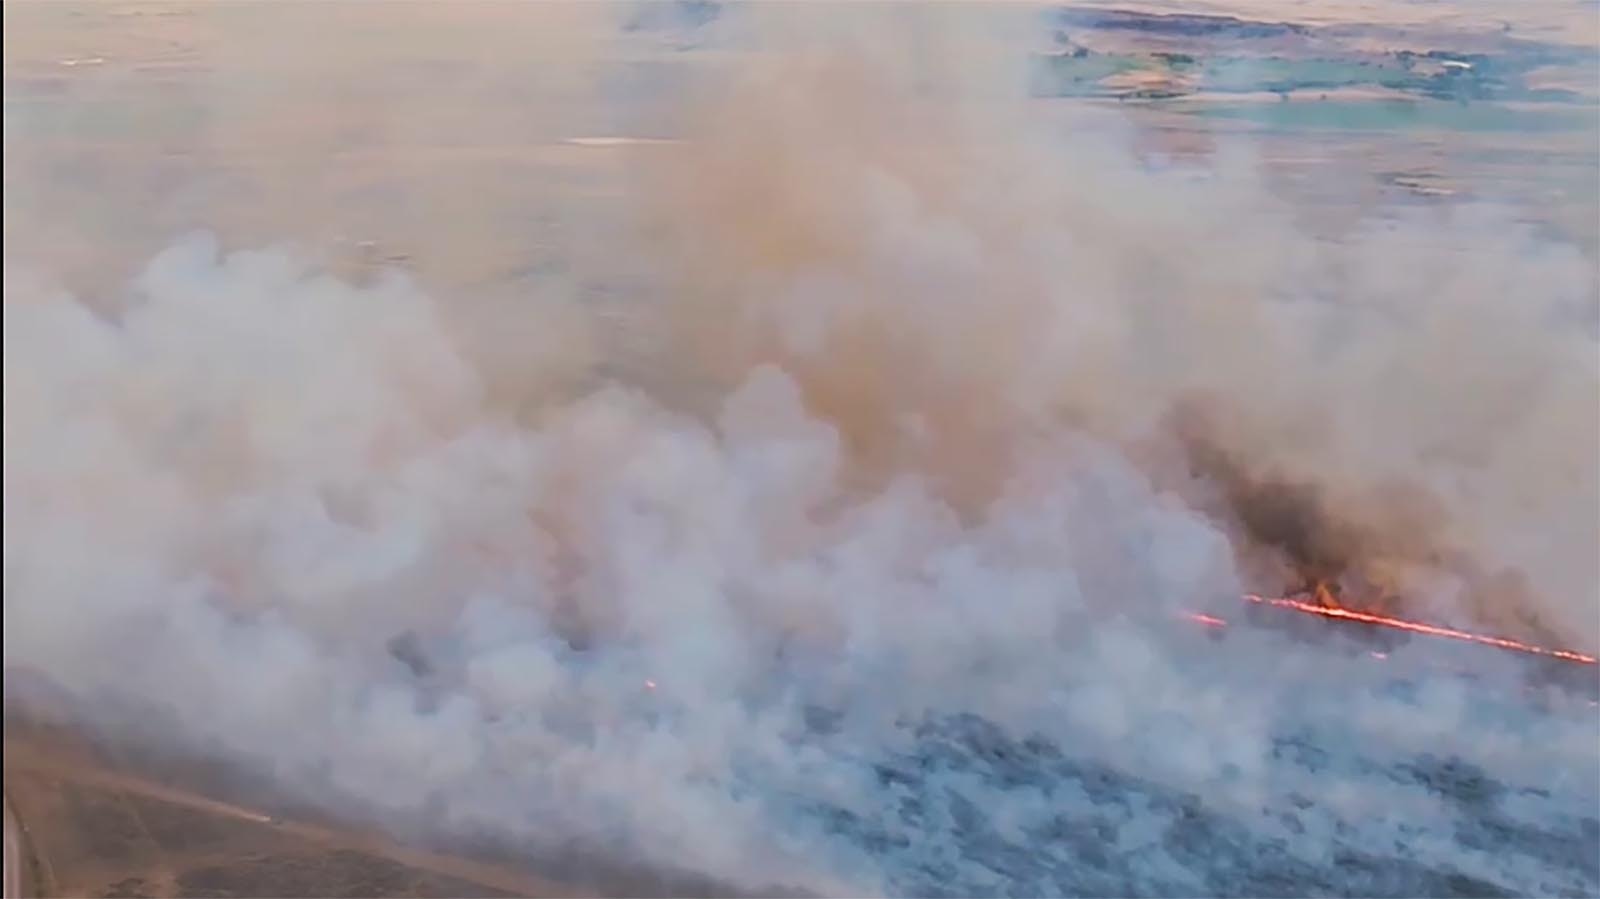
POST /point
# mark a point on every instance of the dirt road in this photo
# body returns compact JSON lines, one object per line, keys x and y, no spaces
{"x":22,"y":760}
{"x":13,"y":856}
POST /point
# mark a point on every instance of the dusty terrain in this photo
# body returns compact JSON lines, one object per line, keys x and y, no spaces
{"x":95,"y":829}
{"x":455,"y":144}
{"x":15,"y":883}
{"x":112,"y":815}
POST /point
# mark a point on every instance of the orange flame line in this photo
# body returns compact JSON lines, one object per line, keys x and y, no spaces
{"x":1420,"y":628}
{"x":1207,"y":620}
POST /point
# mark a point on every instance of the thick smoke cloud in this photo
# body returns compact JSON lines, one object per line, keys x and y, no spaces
{"x":949,"y":264}
{"x":942,"y":408}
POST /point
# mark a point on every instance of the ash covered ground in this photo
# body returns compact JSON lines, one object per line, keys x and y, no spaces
{"x":811,"y":449}
{"x":1110,"y":834}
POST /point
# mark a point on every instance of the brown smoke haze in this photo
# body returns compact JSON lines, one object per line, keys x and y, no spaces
{"x":947,"y":277}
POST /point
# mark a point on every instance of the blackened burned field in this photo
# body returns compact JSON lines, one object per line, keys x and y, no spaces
{"x":1100,"y":831}
{"x":952,"y":805}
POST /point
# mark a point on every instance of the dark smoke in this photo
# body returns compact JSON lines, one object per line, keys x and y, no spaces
{"x":1346,"y":556}
{"x":1295,"y":518}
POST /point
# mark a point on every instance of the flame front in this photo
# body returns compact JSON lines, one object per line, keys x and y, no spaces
{"x":1327,"y":607}
{"x":1207,"y":620}
{"x":1323,"y":601}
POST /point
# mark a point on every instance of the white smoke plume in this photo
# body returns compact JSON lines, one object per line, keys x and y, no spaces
{"x":909,"y":436}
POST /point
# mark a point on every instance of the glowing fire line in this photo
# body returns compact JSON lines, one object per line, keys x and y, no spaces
{"x":1207,"y":620}
{"x":1415,"y":627}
